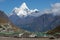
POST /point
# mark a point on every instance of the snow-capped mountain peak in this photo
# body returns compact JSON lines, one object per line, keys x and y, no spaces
{"x":24,"y":11}
{"x":24,"y":6}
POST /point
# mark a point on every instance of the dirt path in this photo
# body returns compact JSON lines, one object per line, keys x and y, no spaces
{"x":10,"y":38}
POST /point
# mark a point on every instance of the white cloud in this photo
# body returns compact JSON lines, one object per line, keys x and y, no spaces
{"x":55,"y":9}
{"x":56,"y":5}
{"x":47,"y":11}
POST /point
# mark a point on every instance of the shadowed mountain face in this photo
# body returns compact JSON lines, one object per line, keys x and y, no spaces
{"x":41,"y":23}
{"x":3,"y":17}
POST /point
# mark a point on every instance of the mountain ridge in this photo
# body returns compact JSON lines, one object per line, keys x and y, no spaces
{"x":35,"y":21}
{"x":4,"y":20}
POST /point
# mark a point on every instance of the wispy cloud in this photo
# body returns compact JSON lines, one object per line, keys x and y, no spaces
{"x":55,"y":9}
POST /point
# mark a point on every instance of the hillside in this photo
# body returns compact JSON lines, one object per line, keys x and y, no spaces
{"x":4,"y":21}
{"x":56,"y":30}
{"x":3,"y":17}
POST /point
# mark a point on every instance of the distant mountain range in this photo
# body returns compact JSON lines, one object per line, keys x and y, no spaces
{"x":34,"y":20}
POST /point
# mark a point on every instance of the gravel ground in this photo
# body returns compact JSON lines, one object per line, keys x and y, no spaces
{"x":11,"y":38}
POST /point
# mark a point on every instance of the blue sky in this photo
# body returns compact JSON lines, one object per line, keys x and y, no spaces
{"x":8,"y":5}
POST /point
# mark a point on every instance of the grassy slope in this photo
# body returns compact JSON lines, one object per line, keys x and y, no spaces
{"x":56,"y":30}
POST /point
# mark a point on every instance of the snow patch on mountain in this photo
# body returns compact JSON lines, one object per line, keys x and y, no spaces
{"x":23,"y":10}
